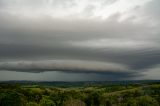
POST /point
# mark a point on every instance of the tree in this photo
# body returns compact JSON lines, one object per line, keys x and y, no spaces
{"x":147,"y":101}
{"x":93,"y":99}
{"x":11,"y":98}
{"x":46,"y":101}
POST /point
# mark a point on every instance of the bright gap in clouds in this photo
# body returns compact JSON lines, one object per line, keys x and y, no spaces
{"x":115,"y":43}
{"x":71,"y":9}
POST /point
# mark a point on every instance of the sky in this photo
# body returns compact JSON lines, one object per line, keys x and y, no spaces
{"x":79,"y":40}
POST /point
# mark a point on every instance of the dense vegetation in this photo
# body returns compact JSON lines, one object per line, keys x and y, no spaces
{"x":128,"y":94}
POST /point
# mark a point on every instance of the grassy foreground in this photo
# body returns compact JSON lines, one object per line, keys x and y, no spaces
{"x":80,"y":94}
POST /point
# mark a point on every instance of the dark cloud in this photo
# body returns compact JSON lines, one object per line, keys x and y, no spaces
{"x":64,"y":65}
{"x":125,"y":42}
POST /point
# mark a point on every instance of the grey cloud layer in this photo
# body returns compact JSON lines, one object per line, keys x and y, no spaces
{"x":130,"y":46}
{"x":64,"y":65}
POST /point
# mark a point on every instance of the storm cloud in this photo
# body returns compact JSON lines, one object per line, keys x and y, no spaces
{"x":63,"y":65}
{"x":111,"y":37}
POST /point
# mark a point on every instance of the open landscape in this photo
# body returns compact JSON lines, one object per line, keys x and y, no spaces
{"x":109,"y":93}
{"x":79,"y":52}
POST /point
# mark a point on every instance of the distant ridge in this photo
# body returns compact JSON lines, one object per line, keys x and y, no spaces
{"x":79,"y":83}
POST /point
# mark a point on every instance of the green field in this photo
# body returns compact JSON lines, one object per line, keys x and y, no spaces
{"x":80,"y":94}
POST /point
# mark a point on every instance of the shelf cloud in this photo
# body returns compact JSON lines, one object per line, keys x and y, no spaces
{"x":63,"y":65}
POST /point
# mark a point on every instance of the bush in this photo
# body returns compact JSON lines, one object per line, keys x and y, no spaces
{"x":32,"y":104}
{"x":74,"y":102}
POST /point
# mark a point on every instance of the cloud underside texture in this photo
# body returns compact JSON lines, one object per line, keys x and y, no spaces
{"x":112,"y":37}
